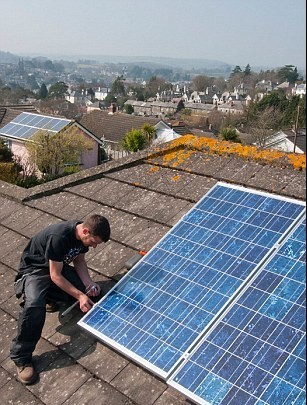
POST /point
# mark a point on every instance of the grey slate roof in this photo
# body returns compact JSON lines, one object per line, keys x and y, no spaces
{"x":300,"y":138}
{"x":7,"y":114}
{"x":143,"y":198}
{"x":113,"y":127}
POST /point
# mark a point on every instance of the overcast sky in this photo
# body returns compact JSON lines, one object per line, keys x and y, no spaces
{"x":259,"y":32}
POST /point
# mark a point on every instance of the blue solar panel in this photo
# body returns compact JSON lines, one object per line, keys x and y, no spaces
{"x":256,"y":353}
{"x":26,"y":125}
{"x":164,"y":305}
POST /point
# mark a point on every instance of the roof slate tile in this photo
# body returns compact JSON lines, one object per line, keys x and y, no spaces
{"x":138,"y":385}
{"x":103,"y":362}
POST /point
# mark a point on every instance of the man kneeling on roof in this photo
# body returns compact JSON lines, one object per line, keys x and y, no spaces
{"x":45,"y":277}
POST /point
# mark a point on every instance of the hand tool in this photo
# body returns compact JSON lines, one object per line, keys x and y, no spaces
{"x":134,"y":259}
{"x":69,"y":309}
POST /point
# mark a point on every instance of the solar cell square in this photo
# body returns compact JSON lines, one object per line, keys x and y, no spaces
{"x":43,"y":122}
{"x":26,"y":132}
{"x":59,"y":124}
{"x":19,"y":131}
{"x":29,"y":119}
{"x":10,"y":129}
{"x":30,"y":132}
{"x":20,"y":117}
{"x":7,"y":129}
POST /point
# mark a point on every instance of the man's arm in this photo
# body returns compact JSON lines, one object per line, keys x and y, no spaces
{"x":56,"y":276}
{"x":82,"y":271}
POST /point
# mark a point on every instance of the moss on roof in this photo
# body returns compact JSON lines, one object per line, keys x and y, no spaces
{"x":180,"y":149}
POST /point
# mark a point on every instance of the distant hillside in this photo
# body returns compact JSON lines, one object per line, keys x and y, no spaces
{"x":185,"y":64}
{"x":207,"y":66}
{"x":163,"y":62}
{"x":7,"y":57}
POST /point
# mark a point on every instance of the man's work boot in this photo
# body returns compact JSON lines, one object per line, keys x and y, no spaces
{"x":27,"y":374}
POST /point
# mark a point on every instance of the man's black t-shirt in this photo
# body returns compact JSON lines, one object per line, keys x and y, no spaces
{"x":56,"y":242}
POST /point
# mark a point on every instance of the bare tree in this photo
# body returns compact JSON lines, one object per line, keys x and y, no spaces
{"x":261,"y":126}
{"x":62,"y":108}
{"x":201,"y":82}
{"x":51,"y":152}
{"x":216,"y":119}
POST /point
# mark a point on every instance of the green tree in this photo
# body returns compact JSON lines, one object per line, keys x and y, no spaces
{"x":149,"y":132}
{"x":118,"y":87}
{"x":110,"y":98}
{"x":43,"y":92}
{"x":180,"y":106}
{"x":230,"y":134}
{"x":235,"y":77}
{"x":52,"y":152}
{"x":9,"y":165}
{"x":281,"y":111}
{"x":288,"y":73}
{"x":236,"y":70}
{"x":247,"y":70}
{"x":5,"y":153}
{"x":295,"y":110}
{"x":58,"y":90}
{"x":275,"y":100}
{"x":91,"y":93}
{"x":129,"y":109}
{"x":134,"y":140}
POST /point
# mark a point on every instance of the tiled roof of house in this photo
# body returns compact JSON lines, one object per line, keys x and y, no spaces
{"x":113,"y":127}
{"x":7,"y":114}
{"x":299,"y":139}
{"x":180,"y":127}
{"x":143,"y":196}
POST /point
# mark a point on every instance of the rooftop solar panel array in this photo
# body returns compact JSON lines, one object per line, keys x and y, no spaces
{"x":25,"y":125}
{"x":162,"y":309}
{"x":256,"y":354}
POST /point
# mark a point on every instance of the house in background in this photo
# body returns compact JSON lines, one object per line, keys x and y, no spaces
{"x":102,"y":93}
{"x":232,"y":106}
{"x":23,"y":126}
{"x":165,"y":133}
{"x":285,"y":141}
{"x":299,"y":89}
{"x":289,"y":141}
{"x":112,"y":128}
{"x":76,"y":97}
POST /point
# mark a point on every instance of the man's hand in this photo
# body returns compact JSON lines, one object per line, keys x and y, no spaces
{"x":85,"y":303}
{"x":93,"y":290}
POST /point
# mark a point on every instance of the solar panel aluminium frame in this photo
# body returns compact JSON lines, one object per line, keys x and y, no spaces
{"x":148,"y":365}
{"x":171,"y":378}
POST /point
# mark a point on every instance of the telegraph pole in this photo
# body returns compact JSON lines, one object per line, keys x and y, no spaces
{"x":296,"y":127}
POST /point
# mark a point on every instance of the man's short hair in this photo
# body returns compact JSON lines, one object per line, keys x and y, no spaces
{"x":98,"y":225}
